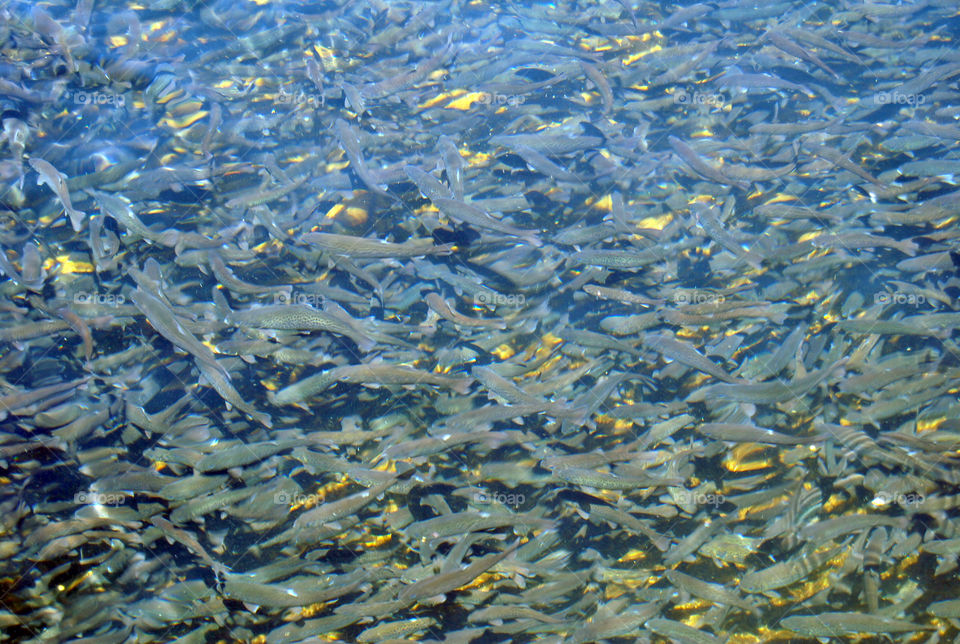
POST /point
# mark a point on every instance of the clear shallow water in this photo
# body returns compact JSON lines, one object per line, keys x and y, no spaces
{"x":624,"y":240}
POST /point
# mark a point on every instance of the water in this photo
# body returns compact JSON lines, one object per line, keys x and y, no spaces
{"x":185,"y":309}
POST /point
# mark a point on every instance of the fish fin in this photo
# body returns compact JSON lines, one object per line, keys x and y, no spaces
{"x":366,"y":344}
{"x":463,"y":388}
{"x":76,"y":218}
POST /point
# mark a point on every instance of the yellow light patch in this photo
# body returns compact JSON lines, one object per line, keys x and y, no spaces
{"x":385,"y":466}
{"x":927,"y":425}
{"x":693,"y":604}
{"x":465,"y":102}
{"x":810,"y":298}
{"x":185,"y":108}
{"x":504,"y":352}
{"x":595,"y":43}
{"x":79,"y":580}
{"x":267,"y":246}
{"x":67,"y":266}
{"x":356,"y":216}
{"x":186,"y":121}
{"x":945,"y":222}
{"x":480,"y":159}
{"x":588,"y":98}
{"x":550,"y":340}
{"x":746,"y":638}
{"x":908,"y":561}
{"x":604,"y":204}
{"x":481,"y":581}
{"x":377,"y":541}
{"x":633,"y":555}
{"x":328,"y":58}
{"x":656,"y":223}
{"x":743,"y":513}
{"x":834,"y":502}
{"x":440,"y":98}
{"x":746,"y":457}
{"x":118,"y":41}
{"x":768,"y":635}
{"x":810,"y":588}
{"x":629,"y":60}
{"x":537,"y":374}
{"x":269,"y":385}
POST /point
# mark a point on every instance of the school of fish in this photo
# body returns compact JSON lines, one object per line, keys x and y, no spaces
{"x":451,"y":321}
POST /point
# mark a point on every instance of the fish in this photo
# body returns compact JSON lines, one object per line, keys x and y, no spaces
{"x":680,"y":631}
{"x":698,"y":165}
{"x":301,"y":318}
{"x":374,"y":248}
{"x":350,"y":143}
{"x":386,"y":374}
{"x":834,"y":624}
{"x":470,"y":214}
{"x":567,"y":322}
{"x":750,"y":433}
{"x":604,"y":481}
{"x":685,"y":354}
{"x":766,"y":392}
{"x":174,"y":533}
{"x":787,"y":572}
{"x":57,"y":182}
{"x":440,"y":306}
{"x":708,"y":591}
{"x":165,"y":322}
{"x":445,"y":582}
